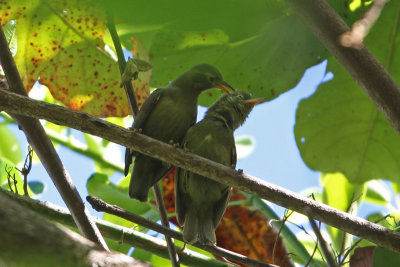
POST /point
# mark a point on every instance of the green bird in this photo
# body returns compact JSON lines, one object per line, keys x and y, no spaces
{"x":199,"y":201}
{"x":166,"y":115}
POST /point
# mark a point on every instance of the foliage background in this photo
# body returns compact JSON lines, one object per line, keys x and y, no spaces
{"x":337,"y":129}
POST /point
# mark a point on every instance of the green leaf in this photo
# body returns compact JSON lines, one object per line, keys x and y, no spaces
{"x":117,"y":246}
{"x":106,"y":150}
{"x":11,"y":35}
{"x":385,"y":257}
{"x":389,"y":222}
{"x":9,"y":146}
{"x":377,"y":193}
{"x":37,"y":187}
{"x":98,"y":185}
{"x":251,"y":51}
{"x":338,"y":129}
{"x":245,"y":145}
{"x":342,"y":195}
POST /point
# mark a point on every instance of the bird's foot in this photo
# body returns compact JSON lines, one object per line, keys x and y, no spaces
{"x":240,"y":171}
{"x":183,"y":248}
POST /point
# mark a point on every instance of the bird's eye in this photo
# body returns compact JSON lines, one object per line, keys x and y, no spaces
{"x":211,"y":79}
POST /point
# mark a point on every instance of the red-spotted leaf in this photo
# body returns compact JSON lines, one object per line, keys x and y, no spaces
{"x":60,"y":43}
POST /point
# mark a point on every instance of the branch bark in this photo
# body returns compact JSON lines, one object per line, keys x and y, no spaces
{"x":29,"y":240}
{"x":43,"y":147}
{"x":83,"y":122}
{"x":361,"y":64}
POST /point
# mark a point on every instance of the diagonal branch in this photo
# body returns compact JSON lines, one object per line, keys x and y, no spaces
{"x":361,"y":64}
{"x":83,"y":122}
{"x":43,"y":147}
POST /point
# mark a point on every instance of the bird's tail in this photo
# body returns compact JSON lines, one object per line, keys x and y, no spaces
{"x":146,"y":172}
{"x":195,"y":230}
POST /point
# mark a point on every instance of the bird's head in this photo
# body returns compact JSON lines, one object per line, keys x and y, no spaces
{"x":202,"y":77}
{"x":233,"y":108}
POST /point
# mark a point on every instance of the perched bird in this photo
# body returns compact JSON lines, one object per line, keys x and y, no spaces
{"x":166,"y":115}
{"x":201,"y":202}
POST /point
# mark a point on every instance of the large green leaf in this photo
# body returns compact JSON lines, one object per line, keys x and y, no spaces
{"x":385,"y":257}
{"x":260,"y":46}
{"x":338,"y":129}
{"x":9,"y":146}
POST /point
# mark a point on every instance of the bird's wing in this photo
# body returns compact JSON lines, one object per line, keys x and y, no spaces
{"x":221,"y":205}
{"x":180,"y":192}
{"x":141,"y":117}
{"x":147,"y":108}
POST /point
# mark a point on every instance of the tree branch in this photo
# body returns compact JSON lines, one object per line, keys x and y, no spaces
{"x":27,"y":239}
{"x":130,"y":92}
{"x":83,"y":122}
{"x":43,"y":147}
{"x":324,"y":246}
{"x":115,"y":232}
{"x":361,"y":64}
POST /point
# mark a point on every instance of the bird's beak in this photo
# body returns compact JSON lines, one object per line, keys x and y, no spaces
{"x":255,"y":101}
{"x":224,"y":86}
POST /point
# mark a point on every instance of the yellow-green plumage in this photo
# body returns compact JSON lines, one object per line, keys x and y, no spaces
{"x":201,"y":202}
{"x":166,"y":115}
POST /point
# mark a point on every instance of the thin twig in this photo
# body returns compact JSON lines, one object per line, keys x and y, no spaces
{"x":361,"y":28}
{"x":324,"y":246}
{"x":312,"y":255}
{"x":164,"y":220}
{"x":122,"y":63}
{"x":354,"y":225}
{"x":348,"y":210}
{"x":26,"y":169}
{"x":102,"y":206}
{"x":285,"y":218}
{"x":46,"y":152}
